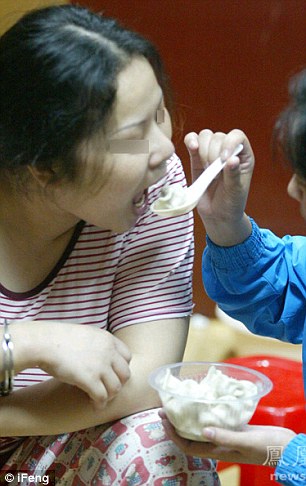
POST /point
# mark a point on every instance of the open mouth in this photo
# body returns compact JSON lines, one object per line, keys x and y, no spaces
{"x":140,"y":200}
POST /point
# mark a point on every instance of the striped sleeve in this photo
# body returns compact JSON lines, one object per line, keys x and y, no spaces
{"x":154,"y":274}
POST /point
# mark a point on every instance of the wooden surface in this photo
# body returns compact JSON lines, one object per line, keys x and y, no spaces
{"x":217,"y":341}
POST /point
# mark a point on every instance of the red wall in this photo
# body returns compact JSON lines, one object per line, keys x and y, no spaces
{"x":229,"y":62}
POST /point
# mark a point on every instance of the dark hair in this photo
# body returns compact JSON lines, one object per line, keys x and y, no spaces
{"x":290,"y":128}
{"x":58,"y":72}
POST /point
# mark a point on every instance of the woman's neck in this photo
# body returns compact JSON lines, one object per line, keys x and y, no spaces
{"x":33,"y":215}
{"x":34,"y":233}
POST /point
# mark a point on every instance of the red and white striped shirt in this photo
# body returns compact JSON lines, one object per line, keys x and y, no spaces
{"x":114,"y":280}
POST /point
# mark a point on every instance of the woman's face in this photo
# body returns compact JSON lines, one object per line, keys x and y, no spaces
{"x":297,"y":190}
{"x":130,"y":156}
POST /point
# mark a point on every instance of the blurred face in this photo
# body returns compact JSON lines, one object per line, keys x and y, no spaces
{"x":297,"y":190}
{"x":127,"y":158}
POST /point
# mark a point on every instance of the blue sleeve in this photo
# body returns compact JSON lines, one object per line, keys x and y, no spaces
{"x":260,"y":282}
{"x":291,"y":470}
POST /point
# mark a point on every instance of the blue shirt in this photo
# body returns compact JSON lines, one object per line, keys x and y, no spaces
{"x":262,"y":282}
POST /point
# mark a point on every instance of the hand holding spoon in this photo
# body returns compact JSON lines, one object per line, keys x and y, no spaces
{"x":175,"y":200}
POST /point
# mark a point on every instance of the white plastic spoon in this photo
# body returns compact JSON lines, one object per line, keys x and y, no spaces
{"x":175,"y":200}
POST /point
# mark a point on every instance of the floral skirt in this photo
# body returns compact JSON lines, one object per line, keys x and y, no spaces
{"x":130,"y":452}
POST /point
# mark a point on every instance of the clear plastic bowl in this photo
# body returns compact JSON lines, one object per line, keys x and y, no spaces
{"x":219,"y":401}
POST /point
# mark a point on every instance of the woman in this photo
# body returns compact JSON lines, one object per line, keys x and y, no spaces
{"x":94,"y":286}
{"x":255,"y":276}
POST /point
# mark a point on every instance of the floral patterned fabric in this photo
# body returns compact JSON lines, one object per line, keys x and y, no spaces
{"x":133,"y":451}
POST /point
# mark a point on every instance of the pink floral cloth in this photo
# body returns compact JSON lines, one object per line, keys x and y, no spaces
{"x":133,"y":451}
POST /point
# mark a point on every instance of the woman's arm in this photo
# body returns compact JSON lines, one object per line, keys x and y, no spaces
{"x":53,"y":407}
{"x":57,"y":347}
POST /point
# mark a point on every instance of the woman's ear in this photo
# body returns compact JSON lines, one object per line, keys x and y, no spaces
{"x":42,"y":176}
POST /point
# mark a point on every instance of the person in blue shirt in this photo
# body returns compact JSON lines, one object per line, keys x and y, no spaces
{"x":253,"y":275}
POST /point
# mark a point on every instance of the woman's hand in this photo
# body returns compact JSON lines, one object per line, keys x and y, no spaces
{"x":222,"y":205}
{"x":248,"y":446}
{"x":89,"y":358}
{"x":54,"y":407}
{"x":84,"y":356}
